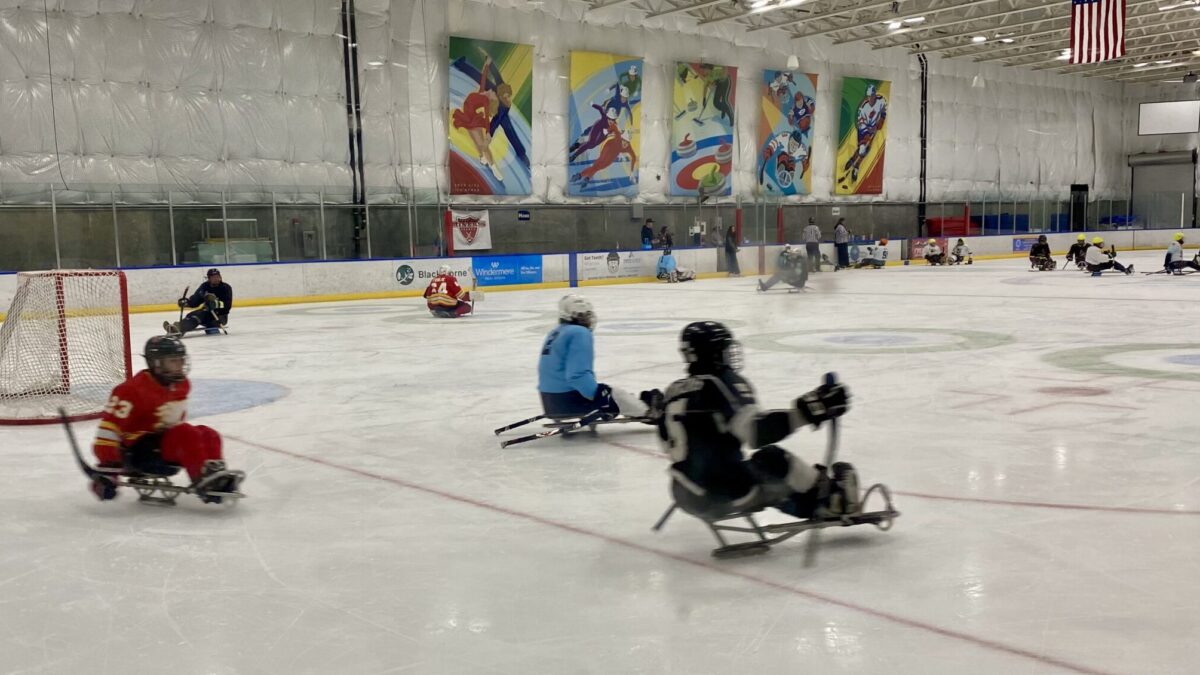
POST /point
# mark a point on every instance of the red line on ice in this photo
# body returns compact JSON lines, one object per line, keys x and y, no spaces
{"x":811,"y":595}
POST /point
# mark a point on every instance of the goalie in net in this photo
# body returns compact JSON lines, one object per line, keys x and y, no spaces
{"x":64,"y":344}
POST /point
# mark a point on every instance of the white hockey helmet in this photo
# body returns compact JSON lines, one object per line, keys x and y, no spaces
{"x":443,"y":269}
{"x":577,"y":309}
{"x":871,"y":90}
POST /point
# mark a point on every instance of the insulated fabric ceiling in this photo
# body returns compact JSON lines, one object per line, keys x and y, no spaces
{"x":244,"y":96}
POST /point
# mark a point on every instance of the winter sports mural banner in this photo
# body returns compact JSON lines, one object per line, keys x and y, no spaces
{"x":785,"y":132}
{"x":491,"y":110}
{"x":702,"y":130}
{"x":862,"y":136}
{"x":604,"y":115}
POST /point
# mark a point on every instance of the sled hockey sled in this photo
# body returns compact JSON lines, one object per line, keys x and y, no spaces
{"x":152,"y":483}
{"x":563,"y":426}
{"x":718,"y":516}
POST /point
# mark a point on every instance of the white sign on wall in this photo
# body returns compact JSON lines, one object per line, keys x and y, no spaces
{"x":416,"y":274}
{"x":617,"y":265}
{"x":472,"y":231}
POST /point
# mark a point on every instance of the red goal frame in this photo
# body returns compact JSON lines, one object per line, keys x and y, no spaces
{"x":63,"y":357}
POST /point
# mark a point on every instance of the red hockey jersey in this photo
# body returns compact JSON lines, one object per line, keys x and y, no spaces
{"x":139,"y":406}
{"x":444,"y":291}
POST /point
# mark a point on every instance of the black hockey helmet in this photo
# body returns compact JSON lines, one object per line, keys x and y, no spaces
{"x":160,"y":349}
{"x":1041,"y":238}
{"x":709,"y":346}
{"x":212,"y":272}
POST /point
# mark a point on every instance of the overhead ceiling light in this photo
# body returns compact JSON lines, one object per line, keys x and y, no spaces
{"x":1140,"y":65}
{"x":914,"y":19}
{"x":893,"y":25}
{"x":759,"y":3}
{"x":978,"y":39}
{"x":1007,"y":41}
{"x":1163,"y":63}
{"x":1066,"y":52}
{"x":780,"y":4}
{"x":1196,"y":53}
{"x":1062,"y":57}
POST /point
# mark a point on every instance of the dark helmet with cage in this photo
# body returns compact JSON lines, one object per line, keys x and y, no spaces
{"x":166,"y":358}
{"x":1041,"y":238}
{"x":709,"y":347}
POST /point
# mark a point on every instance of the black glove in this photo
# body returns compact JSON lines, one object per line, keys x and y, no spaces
{"x":826,"y":402}
{"x":182,"y":303}
{"x":210,"y":302}
{"x":605,"y":402}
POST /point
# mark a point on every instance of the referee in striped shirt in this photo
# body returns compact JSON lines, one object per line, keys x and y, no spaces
{"x":812,"y":242}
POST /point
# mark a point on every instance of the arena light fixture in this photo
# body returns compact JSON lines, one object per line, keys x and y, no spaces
{"x":978,"y":38}
{"x":914,"y":19}
{"x":1007,"y":41}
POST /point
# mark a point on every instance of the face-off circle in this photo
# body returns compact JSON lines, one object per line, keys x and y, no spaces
{"x":1182,"y":362}
{"x":217,"y":397}
{"x":353,"y":310}
{"x":877,"y":341}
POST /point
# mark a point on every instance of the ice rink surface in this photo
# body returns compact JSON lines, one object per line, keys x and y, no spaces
{"x":1039,"y":431}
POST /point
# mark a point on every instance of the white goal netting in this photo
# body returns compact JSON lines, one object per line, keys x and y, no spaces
{"x":64,"y":344}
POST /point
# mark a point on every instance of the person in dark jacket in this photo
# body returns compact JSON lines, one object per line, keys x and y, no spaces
{"x":731,"y":250}
{"x":212,"y":301}
{"x":648,"y":234}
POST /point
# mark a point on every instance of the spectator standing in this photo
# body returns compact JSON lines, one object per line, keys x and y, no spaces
{"x":731,"y":250}
{"x":665,"y":240}
{"x":812,"y":243}
{"x":715,"y":237}
{"x":841,"y":241}
{"x":648,"y":234}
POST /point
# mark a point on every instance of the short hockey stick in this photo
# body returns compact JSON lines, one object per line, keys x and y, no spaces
{"x":522,"y":423}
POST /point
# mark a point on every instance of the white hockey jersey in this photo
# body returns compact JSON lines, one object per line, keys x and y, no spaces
{"x":1174,"y":252}
{"x":876,"y":252}
{"x":931,"y":249}
{"x":962,"y":251}
{"x":1096,"y":255}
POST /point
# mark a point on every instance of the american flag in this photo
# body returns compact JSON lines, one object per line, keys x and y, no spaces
{"x":1097,"y":30}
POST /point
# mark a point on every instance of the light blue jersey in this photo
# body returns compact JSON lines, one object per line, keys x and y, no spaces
{"x":666,"y":265}
{"x":566,"y":362}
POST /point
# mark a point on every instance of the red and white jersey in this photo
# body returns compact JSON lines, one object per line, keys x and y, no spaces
{"x":138,"y":406}
{"x":444,"y":291}
{"x":870,"y":113}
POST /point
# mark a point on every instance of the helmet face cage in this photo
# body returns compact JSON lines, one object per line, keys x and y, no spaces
{"x":175,"y":374}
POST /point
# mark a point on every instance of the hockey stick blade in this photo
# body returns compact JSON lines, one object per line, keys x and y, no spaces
{"x":557,"y":431}
{"x":514,"y":425}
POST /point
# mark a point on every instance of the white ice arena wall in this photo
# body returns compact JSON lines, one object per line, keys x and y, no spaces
{"x":236,"y":94}
{"x":282,"y":283}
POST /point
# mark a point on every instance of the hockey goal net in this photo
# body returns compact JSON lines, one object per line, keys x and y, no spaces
{"x":64,"y":344}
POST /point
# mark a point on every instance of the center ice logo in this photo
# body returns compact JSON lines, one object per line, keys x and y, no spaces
{"x":405,"y":275}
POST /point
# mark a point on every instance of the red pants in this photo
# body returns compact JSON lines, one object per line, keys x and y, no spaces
{"x":190,"y":446}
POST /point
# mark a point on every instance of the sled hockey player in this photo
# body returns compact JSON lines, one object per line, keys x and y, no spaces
{"x":1039,"y":256}
{"x":1098,"y":260}
{"x":1175,"y":264}
{"x":1077,"y":254}
{"x":790,"y":268}
{"x":445,"y":298}
{"x":669,"y":271}
{"x":933,"y":253}
{"x":566,"y":379}
{"x":961,"y":252}
{"x":874,"y":257}
{"x":711,"y":414}
{"x":213,"y":299}
{"x":143,"y":427}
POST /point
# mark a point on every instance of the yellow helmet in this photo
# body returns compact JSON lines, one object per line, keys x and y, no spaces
{"x":1081,"y":238}
{"x":1097,"y":240}
{"x":1178,"y":236}
{"x":932,"y":241}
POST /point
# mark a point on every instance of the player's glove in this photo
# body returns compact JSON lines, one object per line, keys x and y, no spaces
{"x":604,"y":401}
{"x":210,"y":302}
{"x":826,"y":402}
{"x":182,"y":302}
